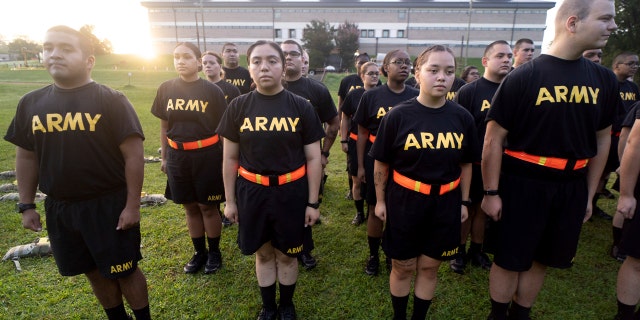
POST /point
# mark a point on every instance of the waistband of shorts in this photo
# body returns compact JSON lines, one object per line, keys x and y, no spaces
{"x":88,"y":197}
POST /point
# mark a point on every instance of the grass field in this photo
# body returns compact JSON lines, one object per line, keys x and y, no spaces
{"x":336,"y":289}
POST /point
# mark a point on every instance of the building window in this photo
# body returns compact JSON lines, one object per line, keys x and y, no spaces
{"x":371,"y":33}
{"x":402,"y":15}
{"x":363,"y":33}
{"x":292,"y":33}
{"x":278,"y":33}
{"x":400,"y":33}
{"x":385,"y":33}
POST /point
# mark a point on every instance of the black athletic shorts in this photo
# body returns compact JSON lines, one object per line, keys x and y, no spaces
{"x":421,"y":224}
{"x":83,"y":236}
{"x":195,"y":175}
{"x":273,"y":213}
{"x":352,"y":158}
{"x":541,"y":221}
{"x":612,"y":160}
{"x":476,"y":191}
{"x":630,"y":242}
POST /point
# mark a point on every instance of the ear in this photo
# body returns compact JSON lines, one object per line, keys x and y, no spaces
{"x":571,"y":24}
{"x":91,"y":62}
{"x":485,"y":60}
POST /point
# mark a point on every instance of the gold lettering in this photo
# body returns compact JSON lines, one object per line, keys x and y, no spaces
{"x":73,"y":121}
{"x":427,"y":139}
{"x":486,"y":104}
{"x":36,"y":125}
{"x":278,"y":124}
{"x":246,"y":125}
{"x":294,"y":250}
{"x":450,"y":95}
{"x":293,"y":123}
{"x":445,"y":140}
{"x":411,"y":141}
{"x":180,"y":104}
{"x":561,"y":93}
{"x":381,"y":113}
{"x":578,"y":94}
{"x":170,"y":105}
{"x":237,"y":82}
{"x":459,"y":139}
{"x":192,"y":105}
{"x":92,"y":121}
{"x":53,"y":122}
{"x":260,"y":123}
{"x":544,"y":95}
{"x":594,"y":95}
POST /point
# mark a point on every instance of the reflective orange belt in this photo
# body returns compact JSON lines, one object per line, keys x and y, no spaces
{"x":424,"y":187}
{"x":556,"y":163}
{"x":353,"y":136}
{"x":372,"y":138}
{"x":193,"y":144}
{"x":272,"y":180}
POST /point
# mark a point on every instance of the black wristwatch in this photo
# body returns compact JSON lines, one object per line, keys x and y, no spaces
{"x":314,"y":205}
{"x":325,"y":153}
{"x":466,"y":203}
{"x":491,"y":192}
{"x":22,"y":207}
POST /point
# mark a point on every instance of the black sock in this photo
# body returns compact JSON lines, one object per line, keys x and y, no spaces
{"x":286,"y":294}
{"x":617,"y":235}
{"x":117,"y":313}
{"x":374,"y":245}
{"x":462,"y":250}
{"x":518,"y":312}
{"x":475,"y":247}
{"x":359,"y":206}
{"x":199,"y":244}
{"x":399,"y":307}
{"x":142,"y":314}
{"x":420,"y":308}
{"x":499,"y":310}
{"x":214,"y":244}
{"x":625,"y":311}
{"x":268,"y":295}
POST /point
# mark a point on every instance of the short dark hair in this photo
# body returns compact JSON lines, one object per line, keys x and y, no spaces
{"x":424,"y":55}
{"x":265,"y":42}
{"x":493,"y":44}
{"x":521,"y":41}
{"x":230,"y":44}
{"x":294,"y":42}
{"x":85,"y":44}
{"x":466,"y":71}
{"x":621,"y":57}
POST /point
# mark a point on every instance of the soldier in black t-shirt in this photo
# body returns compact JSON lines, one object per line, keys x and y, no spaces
{"x":476,"y":97}
{"x":81,"y":143}
{"x":422,"y":173}
{"x":373,"y":106}
{"x":189,"y":109}
{"x":320,"y":97}
{"x":272,"y":164}
{"x":628,"y":287}
{"x":370,"y":74}
{"x":554,"y":116}
{"x":233,"y":72}
{"x":212,"y":68}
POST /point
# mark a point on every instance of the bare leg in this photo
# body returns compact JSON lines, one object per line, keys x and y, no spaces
{"x":401,"y":276}
{"x":106,"y":290}
{"x":211,"y":219}
{"x":134,"y":289}
{"x":266,"y":269}
{"x":195,"y":222}
{"x":427,"y":277}
{"x":529,"y":284}
{"x":628,"y":286}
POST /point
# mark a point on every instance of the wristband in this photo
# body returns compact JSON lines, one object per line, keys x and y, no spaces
{"x":344,"y":141}
{"x":466,"y":203}
{"x":491,"y":192}
{"x":325,"y":153}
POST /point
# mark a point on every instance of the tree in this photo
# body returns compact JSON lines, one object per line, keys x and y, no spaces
{"x":318,"y":39}
{"x":22,"y":46}
{"x":99,"y":47}
{"x":347,"y":42}
{"x":627,"y":37}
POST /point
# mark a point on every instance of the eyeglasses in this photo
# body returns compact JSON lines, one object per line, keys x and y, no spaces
{"x":401,"y":62}
{"x":373,"y":74}
{"x":293,"y":54}
{"x":631,"y":63}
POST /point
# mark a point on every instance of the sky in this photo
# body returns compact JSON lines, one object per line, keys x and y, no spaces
{"x":123,"y":22}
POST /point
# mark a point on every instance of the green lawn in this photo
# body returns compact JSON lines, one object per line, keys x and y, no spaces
{"x":336,"y":289}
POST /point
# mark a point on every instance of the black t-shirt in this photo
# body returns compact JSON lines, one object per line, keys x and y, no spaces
{"x":476,"y":98}
{"x":427,"y":144}
{"x":316,"y":93}
{"x":457,"y":84}
{"x":271,"y":131}
{"x":629,"y":94}
{"x":349,"y":83}
{"x":192,"y":109}
{"x":239,"y":77}
{"x":376,"y":102}
{"x":350,"y":105}
{"x":632,"y":115}
{"x":76,"y":136}
{"x":230,"y":91}
{"x":412,"y":82}
{"x":553,"y":107}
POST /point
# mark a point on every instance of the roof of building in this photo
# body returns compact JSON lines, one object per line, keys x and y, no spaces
{"x":539,"y":4}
